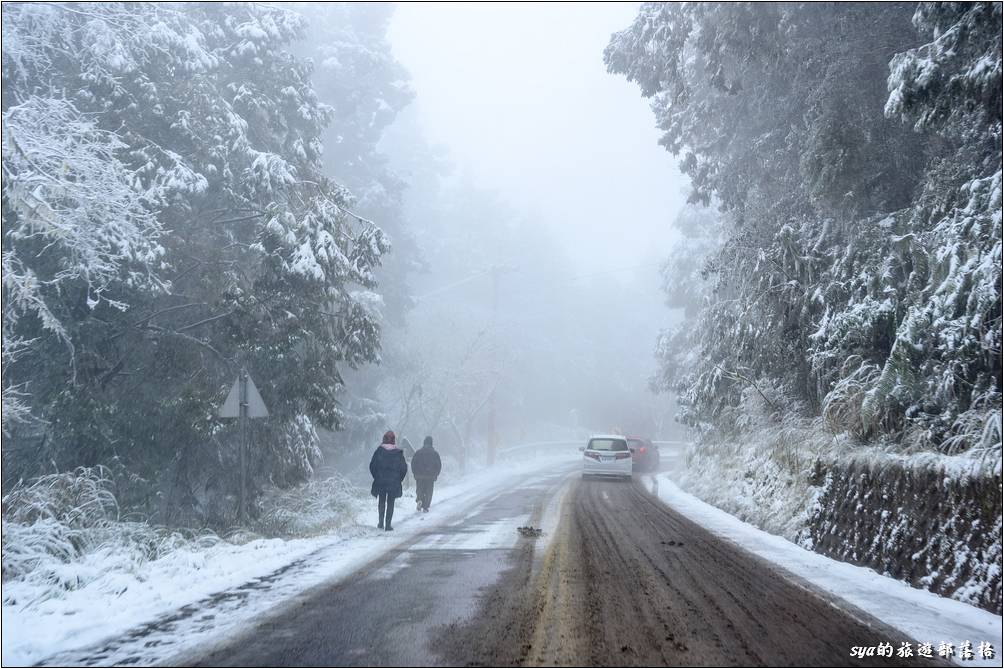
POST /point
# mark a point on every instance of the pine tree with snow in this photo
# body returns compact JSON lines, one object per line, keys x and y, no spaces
{"x":226,"y":246}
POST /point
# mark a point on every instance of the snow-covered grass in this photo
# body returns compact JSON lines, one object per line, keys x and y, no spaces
{"x":114,"y":594}
{"x":63,"y":533}
{"x":925,"y":517}
{"x":55,"y":527}
{"x":919,"y":614}
{"x":768,"y":476}
{"x":317,"y":507}
{"x":764,"y":477}
{"x":77,"y":579}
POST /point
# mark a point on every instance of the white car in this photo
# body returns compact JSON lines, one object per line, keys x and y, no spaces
{"x":607,"y":455}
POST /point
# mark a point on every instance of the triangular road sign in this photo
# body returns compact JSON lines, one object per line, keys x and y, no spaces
{"x":232,"y":405}
{"x":255,"y":405}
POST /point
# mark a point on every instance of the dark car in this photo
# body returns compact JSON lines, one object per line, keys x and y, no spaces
{"x":644,"y":454}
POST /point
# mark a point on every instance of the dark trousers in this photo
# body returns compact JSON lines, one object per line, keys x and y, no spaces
{"x":423,"y":491}
{"x":385,"y":507}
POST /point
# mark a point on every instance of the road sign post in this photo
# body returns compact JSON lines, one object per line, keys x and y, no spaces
{"x":243,"y":402}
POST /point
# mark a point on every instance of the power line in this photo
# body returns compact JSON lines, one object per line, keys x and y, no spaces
{"x":436,"y":291}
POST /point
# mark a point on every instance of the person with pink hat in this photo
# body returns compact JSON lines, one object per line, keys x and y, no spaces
{"x":388,"y":468}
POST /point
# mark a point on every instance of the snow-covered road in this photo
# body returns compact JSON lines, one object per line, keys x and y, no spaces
{"x":620,"y":578}
{"x":185,"y":600}
{"x":464,"y":567}
{"x":398,"y":609}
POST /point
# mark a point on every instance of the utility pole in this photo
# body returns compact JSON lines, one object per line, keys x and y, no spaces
{"x":496,"y":271}
{"x":493,"y":437}
{"x":493,"y":444}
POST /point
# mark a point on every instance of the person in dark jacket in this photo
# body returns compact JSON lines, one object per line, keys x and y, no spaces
{"x":425,"y":467}
{"x":388,"y":468}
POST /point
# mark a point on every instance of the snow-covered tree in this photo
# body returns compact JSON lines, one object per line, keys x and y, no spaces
{"x":365,"y":87}
{"x":859,"y":275}
{"x":216,"y":131}
{"x":72,"y":222}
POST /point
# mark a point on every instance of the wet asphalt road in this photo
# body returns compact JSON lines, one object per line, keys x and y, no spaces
{"x":387,"y":613}
{"x":619,"y":580}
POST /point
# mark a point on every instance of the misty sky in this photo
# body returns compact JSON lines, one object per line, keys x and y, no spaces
{"x":520,"y":96}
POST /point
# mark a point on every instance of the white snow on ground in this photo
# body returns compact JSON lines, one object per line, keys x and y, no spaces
{"x":244,"y":582}
{"x":108,"y":607}
{"x":919,"y":614}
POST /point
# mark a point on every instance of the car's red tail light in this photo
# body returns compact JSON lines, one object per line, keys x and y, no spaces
{"x":593,"y":456}
{"x":621,"y":456}
{"x":641,"y":450}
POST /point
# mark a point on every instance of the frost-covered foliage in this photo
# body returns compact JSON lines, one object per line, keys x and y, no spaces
{"x":315,"y":507}
{"x":65,"y":539}
{"x":951,"y":332}
{"x":860,"y":266}
{"x":766,"y":477}
{"x":71,"y":218}
{"x":686,"y":286}
{"x":357,"y":76}
{"x":175,"y":149}
{"x":63,"y":530}
{"x":851,"y":305}
{"x":365,"y":88}
{"x":951,"y":84}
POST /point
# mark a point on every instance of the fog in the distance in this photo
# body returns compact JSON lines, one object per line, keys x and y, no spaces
{"x":519,"y":95}
{"x":549,"y":168}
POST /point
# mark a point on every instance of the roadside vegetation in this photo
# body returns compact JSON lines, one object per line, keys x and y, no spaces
{"x":840,"y":276}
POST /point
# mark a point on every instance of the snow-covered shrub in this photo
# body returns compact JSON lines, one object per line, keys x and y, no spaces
{"x":63,"y":530}
{"x":842,"y":405}
{"x":763,"y":475}
{"x":313,"y":508}
{"x":81,"y":498}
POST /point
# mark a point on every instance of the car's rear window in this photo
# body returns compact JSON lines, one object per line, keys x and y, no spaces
{"x":607,"y":445}
{"x":636,"y":443}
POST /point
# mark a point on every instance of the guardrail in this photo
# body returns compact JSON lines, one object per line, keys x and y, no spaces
{"x":537,"y":445}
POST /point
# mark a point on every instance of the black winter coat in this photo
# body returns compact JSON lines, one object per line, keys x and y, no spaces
{"x":388,"y":469}
{"x":426,"y":463}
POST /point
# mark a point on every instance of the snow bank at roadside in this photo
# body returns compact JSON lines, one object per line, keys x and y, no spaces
{"x":120,"y":600}
{"x":930,"y":519}
{"x":919,"y":614}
